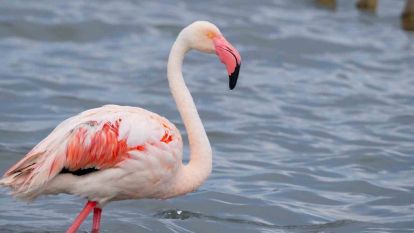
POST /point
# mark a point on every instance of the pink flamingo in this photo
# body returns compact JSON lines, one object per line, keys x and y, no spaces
{"x":119,"y":152}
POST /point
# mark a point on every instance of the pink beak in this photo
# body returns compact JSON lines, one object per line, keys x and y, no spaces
{"x":230,"y":57}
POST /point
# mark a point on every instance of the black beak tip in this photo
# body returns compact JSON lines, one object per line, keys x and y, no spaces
{"x":233,"y":77}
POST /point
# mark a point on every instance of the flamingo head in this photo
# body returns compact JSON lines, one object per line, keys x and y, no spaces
{"x":206,"y":37}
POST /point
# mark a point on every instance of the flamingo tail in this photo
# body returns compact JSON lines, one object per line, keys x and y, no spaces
{"x":28,"y":177}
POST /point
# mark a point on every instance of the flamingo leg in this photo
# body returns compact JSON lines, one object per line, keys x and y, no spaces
{"x":96,"y":219}
{"x":81,"y":217}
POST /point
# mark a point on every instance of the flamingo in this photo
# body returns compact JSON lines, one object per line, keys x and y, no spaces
{"x":116,"y":152}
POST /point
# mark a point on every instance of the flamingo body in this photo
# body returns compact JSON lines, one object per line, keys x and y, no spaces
{"x":118,"y":152}
{"x":135,"y":153}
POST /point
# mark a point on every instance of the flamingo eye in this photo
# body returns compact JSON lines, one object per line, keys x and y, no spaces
{"x":211,"y":35}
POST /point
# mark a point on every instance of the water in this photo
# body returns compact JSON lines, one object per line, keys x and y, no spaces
{"x":316,"y":137}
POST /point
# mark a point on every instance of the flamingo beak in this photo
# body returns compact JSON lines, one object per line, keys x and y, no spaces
{"x":230,"y":57}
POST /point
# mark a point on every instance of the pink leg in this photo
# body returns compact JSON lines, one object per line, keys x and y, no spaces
{"x":96,"y":219}
{"x":81,"y":217}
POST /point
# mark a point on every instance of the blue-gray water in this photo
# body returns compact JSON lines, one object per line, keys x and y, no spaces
{"x":317,"y":136}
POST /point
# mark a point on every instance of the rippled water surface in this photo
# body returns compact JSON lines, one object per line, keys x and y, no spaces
{"x":317,"y":136}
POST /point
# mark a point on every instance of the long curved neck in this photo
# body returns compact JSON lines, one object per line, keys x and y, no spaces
{"x":192,"y":175}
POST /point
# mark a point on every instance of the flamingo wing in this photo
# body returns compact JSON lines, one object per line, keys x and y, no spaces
{"x":96,"y":139}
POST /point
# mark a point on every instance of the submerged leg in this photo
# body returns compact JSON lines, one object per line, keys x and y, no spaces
{"x":327,"y":3}
{"x":96,"y":220}
{"x":407,"y":17}
{"x":367,"y":5}
{"x":81,"y":217}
